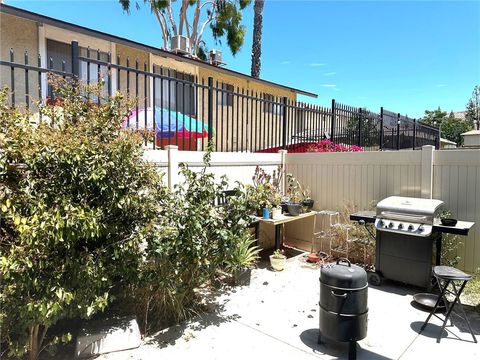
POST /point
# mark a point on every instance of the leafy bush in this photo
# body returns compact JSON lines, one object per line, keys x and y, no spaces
{"x":450,"y":242}
{"x":472,"y":290}
{"x":76,"y":199}
{"x":188,"y":243}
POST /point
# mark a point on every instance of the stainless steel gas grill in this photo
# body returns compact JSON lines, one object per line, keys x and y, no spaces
{"x":406,"y":230}
{"x":411,"y":216}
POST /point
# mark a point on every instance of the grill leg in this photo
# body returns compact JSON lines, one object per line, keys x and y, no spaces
{"x":352,"y":350}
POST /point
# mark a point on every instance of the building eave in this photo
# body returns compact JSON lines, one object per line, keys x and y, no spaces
{"x":14,"y":11}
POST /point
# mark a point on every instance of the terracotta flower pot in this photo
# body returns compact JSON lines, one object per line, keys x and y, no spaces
{"x":313,"y":258}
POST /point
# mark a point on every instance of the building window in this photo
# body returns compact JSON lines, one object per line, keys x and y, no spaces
{"x":175,"y":95}
{"x":89,"y":71}
{"x":59,"y":58}
{"x":225,"y":98}
{"x":272,"y":104}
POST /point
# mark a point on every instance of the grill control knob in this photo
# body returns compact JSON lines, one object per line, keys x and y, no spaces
{"x":421,"y":228}
{"x":400,"y":226}
{"x":410,"y":227}
{"x":381,"y":223}
{"x":390,"y":225}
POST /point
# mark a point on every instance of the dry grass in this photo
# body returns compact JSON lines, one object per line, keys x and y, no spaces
{"x":352,"y":240}
{"x":472,"y":290}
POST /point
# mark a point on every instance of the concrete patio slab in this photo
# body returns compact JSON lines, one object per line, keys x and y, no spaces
{"x":277,"y":315}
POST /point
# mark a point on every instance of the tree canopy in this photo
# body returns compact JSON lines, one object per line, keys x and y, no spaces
{"x":472,"y":115}
{"x":191,"y":18}
{"x":451,"y":127}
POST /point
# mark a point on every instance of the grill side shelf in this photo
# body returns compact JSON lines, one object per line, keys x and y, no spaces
{"x":461,"y":228}
{"x":367,"y":216}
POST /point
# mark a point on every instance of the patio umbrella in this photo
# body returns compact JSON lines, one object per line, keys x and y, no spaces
{"x":167,"y":123}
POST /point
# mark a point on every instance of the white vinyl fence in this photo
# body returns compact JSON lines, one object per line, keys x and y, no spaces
{"x":237,"y":166}
{"x":361,"y":179}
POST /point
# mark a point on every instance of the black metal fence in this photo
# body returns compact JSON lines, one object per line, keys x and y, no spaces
{"x":181,"y":109}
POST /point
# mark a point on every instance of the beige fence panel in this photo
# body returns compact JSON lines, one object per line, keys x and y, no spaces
{"x":339,"y":179}
{"x":362,"y":179}
{"x":456,"y":181}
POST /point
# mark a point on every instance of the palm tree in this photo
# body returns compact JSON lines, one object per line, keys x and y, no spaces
{"x":257,"y":37}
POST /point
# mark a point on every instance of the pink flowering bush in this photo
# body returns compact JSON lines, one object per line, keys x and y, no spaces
{"x":329,"y":146}
{"x":321,"y":146}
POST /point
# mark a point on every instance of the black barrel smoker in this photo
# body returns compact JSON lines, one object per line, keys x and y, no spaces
{"x":343,"y":304}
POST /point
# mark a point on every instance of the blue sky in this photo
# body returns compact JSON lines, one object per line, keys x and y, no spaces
{"x":408,"y":56}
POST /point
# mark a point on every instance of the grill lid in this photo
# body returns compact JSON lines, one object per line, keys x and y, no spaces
{"x":343,"y":275}
{"x":408,"y":208}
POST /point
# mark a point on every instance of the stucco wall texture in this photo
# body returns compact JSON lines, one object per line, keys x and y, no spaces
{"x":21,"y":36}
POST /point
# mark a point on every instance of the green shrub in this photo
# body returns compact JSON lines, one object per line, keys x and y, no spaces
{"x":76,"y":199}
{"x":190,"y":241}
{"x":450,"y":242}
{"x":472,"y":290}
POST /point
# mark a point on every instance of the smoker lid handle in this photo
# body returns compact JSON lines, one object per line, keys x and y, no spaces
{"x":344,"y":260}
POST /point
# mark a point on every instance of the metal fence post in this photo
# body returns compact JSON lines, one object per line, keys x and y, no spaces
{"x":332,"y":132}
{"x":210,"y":108}
{"x":398,"y":131}
{"x":285,"y":122}
{"x":360,"y":123}
{"x":381,"y":128}
{"x":75,"y":60}
{"x":414,"y":133}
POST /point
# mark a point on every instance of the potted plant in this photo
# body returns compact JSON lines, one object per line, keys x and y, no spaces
{"x":261,"y":192}
{"x":294,"y":192}
{"x":276,"y":208}
{"x":278,"y":260}
{"x":307,"y":201}
{"x":242,"y":259}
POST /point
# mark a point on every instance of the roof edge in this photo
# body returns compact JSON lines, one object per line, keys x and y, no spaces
{"x":29,"y":15}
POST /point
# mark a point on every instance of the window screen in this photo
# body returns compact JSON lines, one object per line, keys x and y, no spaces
{"x":225,"y":97}
{"x":175,"y":95}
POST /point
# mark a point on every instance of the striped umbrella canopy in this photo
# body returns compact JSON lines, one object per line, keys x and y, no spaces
{"x":167,"y":123}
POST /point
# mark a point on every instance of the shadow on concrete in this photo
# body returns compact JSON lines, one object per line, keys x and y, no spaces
{"x":473,"y":317}
{"x":450,"y":333}
{"x":431,"y":330}
{"x":289,"y":252}
{"x":397,"y":288}
{"x":458,"y":321}
{"x":335,"y":348}
{"x":170,"y":335}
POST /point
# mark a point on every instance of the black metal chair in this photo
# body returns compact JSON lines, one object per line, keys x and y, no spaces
{"x":445,"y":276}
{"x":222,"y":200}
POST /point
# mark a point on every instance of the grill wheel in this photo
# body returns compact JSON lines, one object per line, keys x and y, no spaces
{"x":374,"y":278}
